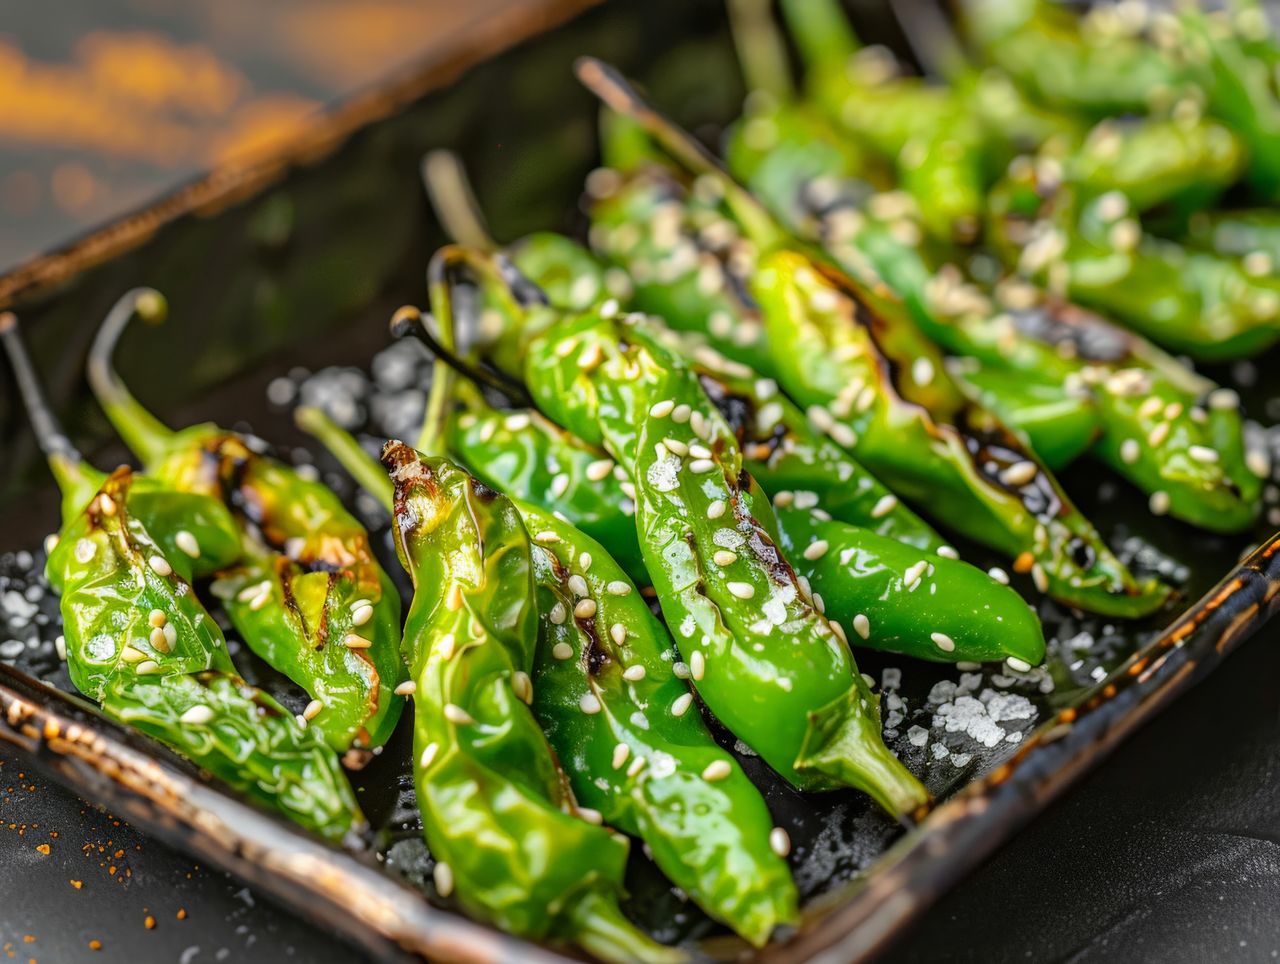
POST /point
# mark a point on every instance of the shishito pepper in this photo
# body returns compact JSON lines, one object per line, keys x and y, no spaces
{"x":141,"y":644}
{"x":604,"y":675}
{"x":497,"y":813}
{"x":1252,"y":235}
{"x":309,"y":597}
{"x":833,"y":336}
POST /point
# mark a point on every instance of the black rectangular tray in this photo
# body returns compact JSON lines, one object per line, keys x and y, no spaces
{"x":298,"y":261}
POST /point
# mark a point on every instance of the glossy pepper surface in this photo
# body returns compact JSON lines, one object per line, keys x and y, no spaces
{"x":309,"y":597}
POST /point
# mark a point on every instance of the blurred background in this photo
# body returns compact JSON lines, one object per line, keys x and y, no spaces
{"x":112,"y":102}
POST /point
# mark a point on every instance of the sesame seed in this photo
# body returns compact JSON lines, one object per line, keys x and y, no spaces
{"x":1258,"y":462}
{"x":1150,"y":407}
{"x":160,"y":566}
{"x":1017,"y":665}
{"x":546,"y":537}
{"x":517,"y":422}
{"x":943,"y":642}
{"x":843,"y":435}
{"x":1172,"y":410}
{"x":197,"y":715}
{"x":806,"y":499}
{"x":312,"y":711}
{"x":1202,"y":453}
{"x":743,"y":590}
{"x":862,"y":625}
{"x":618,"y":588}
{"x":716,"y":509}
{"x":585,"y":609}
{"x":784,"y":498}
{"x":618,"y":633}
{"x":106,"y":505}
{"x":885,"y":505}
{"x":599,"y":469}
{"x":559,"y":485}
{"x":131,"y":655}
{"x":838,"y":630}
{"x":562,"y":650}
{"x":356,"y":641}
{"x":578,"y":586}
{"x":60,"y":644}
{"x":914,"y":573}
{"x":453,"y":599}
{"x":1224,"y":398}
{"x":1020,"y":473}
{"x":158,"y":640}
{"x":681,"y":704}
{"x":1040,"y":578}
{"x":185,"y":541}
{"x":999,"y":575}
{"x":1159,"y":503}
{"x":260,"y":600}
{"x":407,"y":688}
{"x":698,"y":422}
{"x":922,"y":371}
{"x":701,"y":466}
{"x":816,"y":549}
{"x":680,"y":669}
{"x":637,"y":765}
{"x":148,"y":667}
{"x":947,"y":552}
{"x":589,"y":704}
{"x":428,"y":755}
{"x":717,"y":770}
{"x":170,"y":637}
{"x":680,"y":414}
{"x":1130,"y":450}
{"x":818,"y":602}
{"x":362,"y":615}
{"x":591,"y":356}
{"x":457,"y":715}
{"x":676,"y":446}
{"x":51,"y":542}
{"x":662,"y":409}
{"x":157,"y":618}
{"x":85,"y":550}
{"x":697,"y":664}
{"x":779,"y":841}
{"x":522,"y":686}
{"x":821,"y":419}
{"x":620,"y":754}
{"x":724,"y":557}
{"x":1158,"y":434}
{"x":442,"y":876}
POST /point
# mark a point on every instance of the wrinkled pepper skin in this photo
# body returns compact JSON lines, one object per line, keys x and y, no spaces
{"x":171,"y":677}
{"x":792,"y":693}
{"x":311,"y":599}
{"x":1253,"y":236}
{"x":989,"y":488}
{"x":495,"y":806}
{"x":652,"y":774}
{"x":900,"y":600}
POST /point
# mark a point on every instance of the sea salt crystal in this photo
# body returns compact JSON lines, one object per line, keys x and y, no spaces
{"x":890,"y":678}
{"x":917,"y":736}
{"x":969,"y":716}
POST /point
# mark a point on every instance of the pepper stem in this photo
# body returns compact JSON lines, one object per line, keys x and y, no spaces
{"x":600,"y":928}
{"x":450,"y":193}
{"x":342,"y":445}
{"x":77,"y":481}
{"x":821,"y":31}
{"x":607,"y":84}
{"x":145,"y":434}
{"x":761,"y":52}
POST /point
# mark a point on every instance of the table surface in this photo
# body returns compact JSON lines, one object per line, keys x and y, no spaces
{"x":1170,"y":851}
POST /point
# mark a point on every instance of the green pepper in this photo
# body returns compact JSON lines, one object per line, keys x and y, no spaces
{"x":140,"y":642}
{"x":897,"y":599}
{"x":497,"y":814}
{"x":309,"y":597}
{"x":1253,"y":236}
{"x":833,"y":337}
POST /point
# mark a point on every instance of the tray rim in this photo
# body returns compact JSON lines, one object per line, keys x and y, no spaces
{"x":68,"y":738}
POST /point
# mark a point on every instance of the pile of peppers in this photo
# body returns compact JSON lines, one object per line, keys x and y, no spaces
{"x":692,"y":466}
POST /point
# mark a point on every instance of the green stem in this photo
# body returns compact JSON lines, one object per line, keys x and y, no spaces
{"x":445,"y":178}
{"x":821,"y":31}
{"x":342,"y":445}
{"x":761,"y":52}
{"x":599,"y":927}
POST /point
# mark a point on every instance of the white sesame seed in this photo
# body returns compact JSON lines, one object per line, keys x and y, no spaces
{"x":947,"y":552}
{"x":562,"y":650}
{"x":806,"y":499}
{"x":559,"y":485}
{"x":1150,"y":407}
{"x":1224,"y":398}
{"x":784,"y":498}
{"x":716,"y":770}
{"x":1158,"y":434}
{"x":453,"y":598}
{"x":442,"y":876}
{"x":51,"y":542}
{"x":356,"y":641}
{"x":589,"y":704}
{"x":457,"y":715}
{"x":843,"y":435}
{"x":724,"y":557}
{"x":260,"y":600}
{"x":197,"y":715}
{"x":257,"y":589}
{"x":633,"y":674}
{"x":818,"y":602}
{"x":1019,"y":473}
{"x":676,"y":446}
{"x":618,"y":588}
{"x":1017,"y":665}
{"x":914,"y":573}
{"x":816,"y":549}
{"x":160,"y":566}
{"x":148,"y":667}
{"x":779,"y":841}
{"x":637,"y":765}
{"x":591,"y":356}
{"x":522,"y":686}
{"x":300,"y":721}
{"x":584,"y":561}
{"x":1202,"y":453}
{"x":701,"y":466}
{"x":106,"y":505}
{"x":922,"y":371}
{"x":585,"y":609}
{"x":680,"y":414}
{"x":1130,"y":449}
{"x":943,"y":642}
{"x":716,"y":509}
{"x":362,"y":615}
{"x":1040,"y":578}
{"x":1258,"y":462}
{"x":618,"y":633}
{"x":680,"y":669}
{"x":185,"y":541}
{"x":620,"y":754}
{"x":131,"y":655}
{"x":170,"y":637}
{"x":743,"y":590}
{"x":697,"y":664}
{"x":158,"y":640}
{"x":312,"y":711}
{"x":999,"y":575}
{"x":599,"y":469}
{"x":1159,"y":503}
{"x":60,"y":644}
{"x":157,"y":618}
{"x":885,"y":505}
{"x":578,"y":586}
{"x":681,"y":704}
{"x":838,"y":630}
{"x":662,"y":409}
{"x":428,"y":755}
{"x":407,"y":688}
{"x":820,"y":418}
{"x":862,"y":625}
{"x":85,"y":550}
{"x":517,"y":422}
{"x":1172,"y":410}
{"x":558,"y":614}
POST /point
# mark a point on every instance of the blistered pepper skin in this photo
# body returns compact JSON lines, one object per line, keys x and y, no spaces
{"x":496,"y":810}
